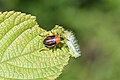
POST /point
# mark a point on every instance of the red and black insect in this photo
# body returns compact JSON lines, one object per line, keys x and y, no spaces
{"x":52,"y":41}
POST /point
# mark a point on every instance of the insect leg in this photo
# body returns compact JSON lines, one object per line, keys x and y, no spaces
{"x":44,"y":49}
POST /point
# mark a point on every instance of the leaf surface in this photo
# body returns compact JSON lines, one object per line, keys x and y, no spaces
{"x":21,"y":54}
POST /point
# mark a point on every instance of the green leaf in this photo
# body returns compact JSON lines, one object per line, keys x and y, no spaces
{"x":22,"y":52}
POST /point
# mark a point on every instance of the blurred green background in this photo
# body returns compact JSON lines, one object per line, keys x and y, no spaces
{"x":96,"y":24}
